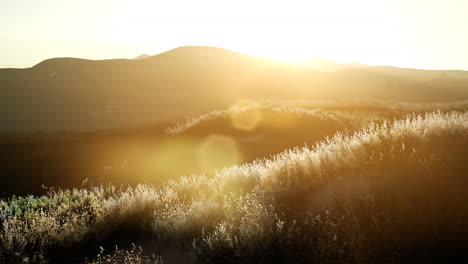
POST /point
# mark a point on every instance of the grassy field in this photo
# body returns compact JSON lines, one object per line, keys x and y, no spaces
{"x":273,"y":182}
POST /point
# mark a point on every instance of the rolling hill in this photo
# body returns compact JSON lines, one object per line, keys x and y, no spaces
{"x":388,"y":193}
{"x":78,"y":94}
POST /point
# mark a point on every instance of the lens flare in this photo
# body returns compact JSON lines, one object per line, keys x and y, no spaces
{"x":175,"y":157}
{"x":246,"y":119}
{"x":218,"y":151}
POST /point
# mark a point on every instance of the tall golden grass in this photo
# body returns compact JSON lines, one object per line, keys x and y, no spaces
{"x":387,"y":193}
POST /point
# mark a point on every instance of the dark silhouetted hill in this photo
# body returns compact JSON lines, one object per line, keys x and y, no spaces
{"x":78,"y":94}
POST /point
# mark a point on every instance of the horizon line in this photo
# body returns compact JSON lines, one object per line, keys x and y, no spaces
{"x":292,"y":62}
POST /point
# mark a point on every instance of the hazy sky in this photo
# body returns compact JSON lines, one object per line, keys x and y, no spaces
{"x":428,"y":34}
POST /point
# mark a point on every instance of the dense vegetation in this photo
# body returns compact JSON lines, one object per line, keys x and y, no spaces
{"x":387,"y":186}
{"x":140,"y":154}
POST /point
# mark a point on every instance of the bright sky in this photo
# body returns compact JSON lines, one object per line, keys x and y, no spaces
{"x":429,"y":34}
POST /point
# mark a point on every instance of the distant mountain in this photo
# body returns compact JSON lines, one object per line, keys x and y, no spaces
{"x":142,"y":56}
{"x":417,"y":74}
{"x":326,"y":65}
{"x":78,"y":94}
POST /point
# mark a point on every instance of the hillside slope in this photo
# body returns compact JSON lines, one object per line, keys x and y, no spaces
{"x":402,"y":199}
{"x":236,"y":135}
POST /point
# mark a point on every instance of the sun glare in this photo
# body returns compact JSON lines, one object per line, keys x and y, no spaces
{"x":358,"y":31}
{"x":371,"y":32}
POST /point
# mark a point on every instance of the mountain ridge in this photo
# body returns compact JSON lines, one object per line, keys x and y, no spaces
{"x":76,"y":94}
